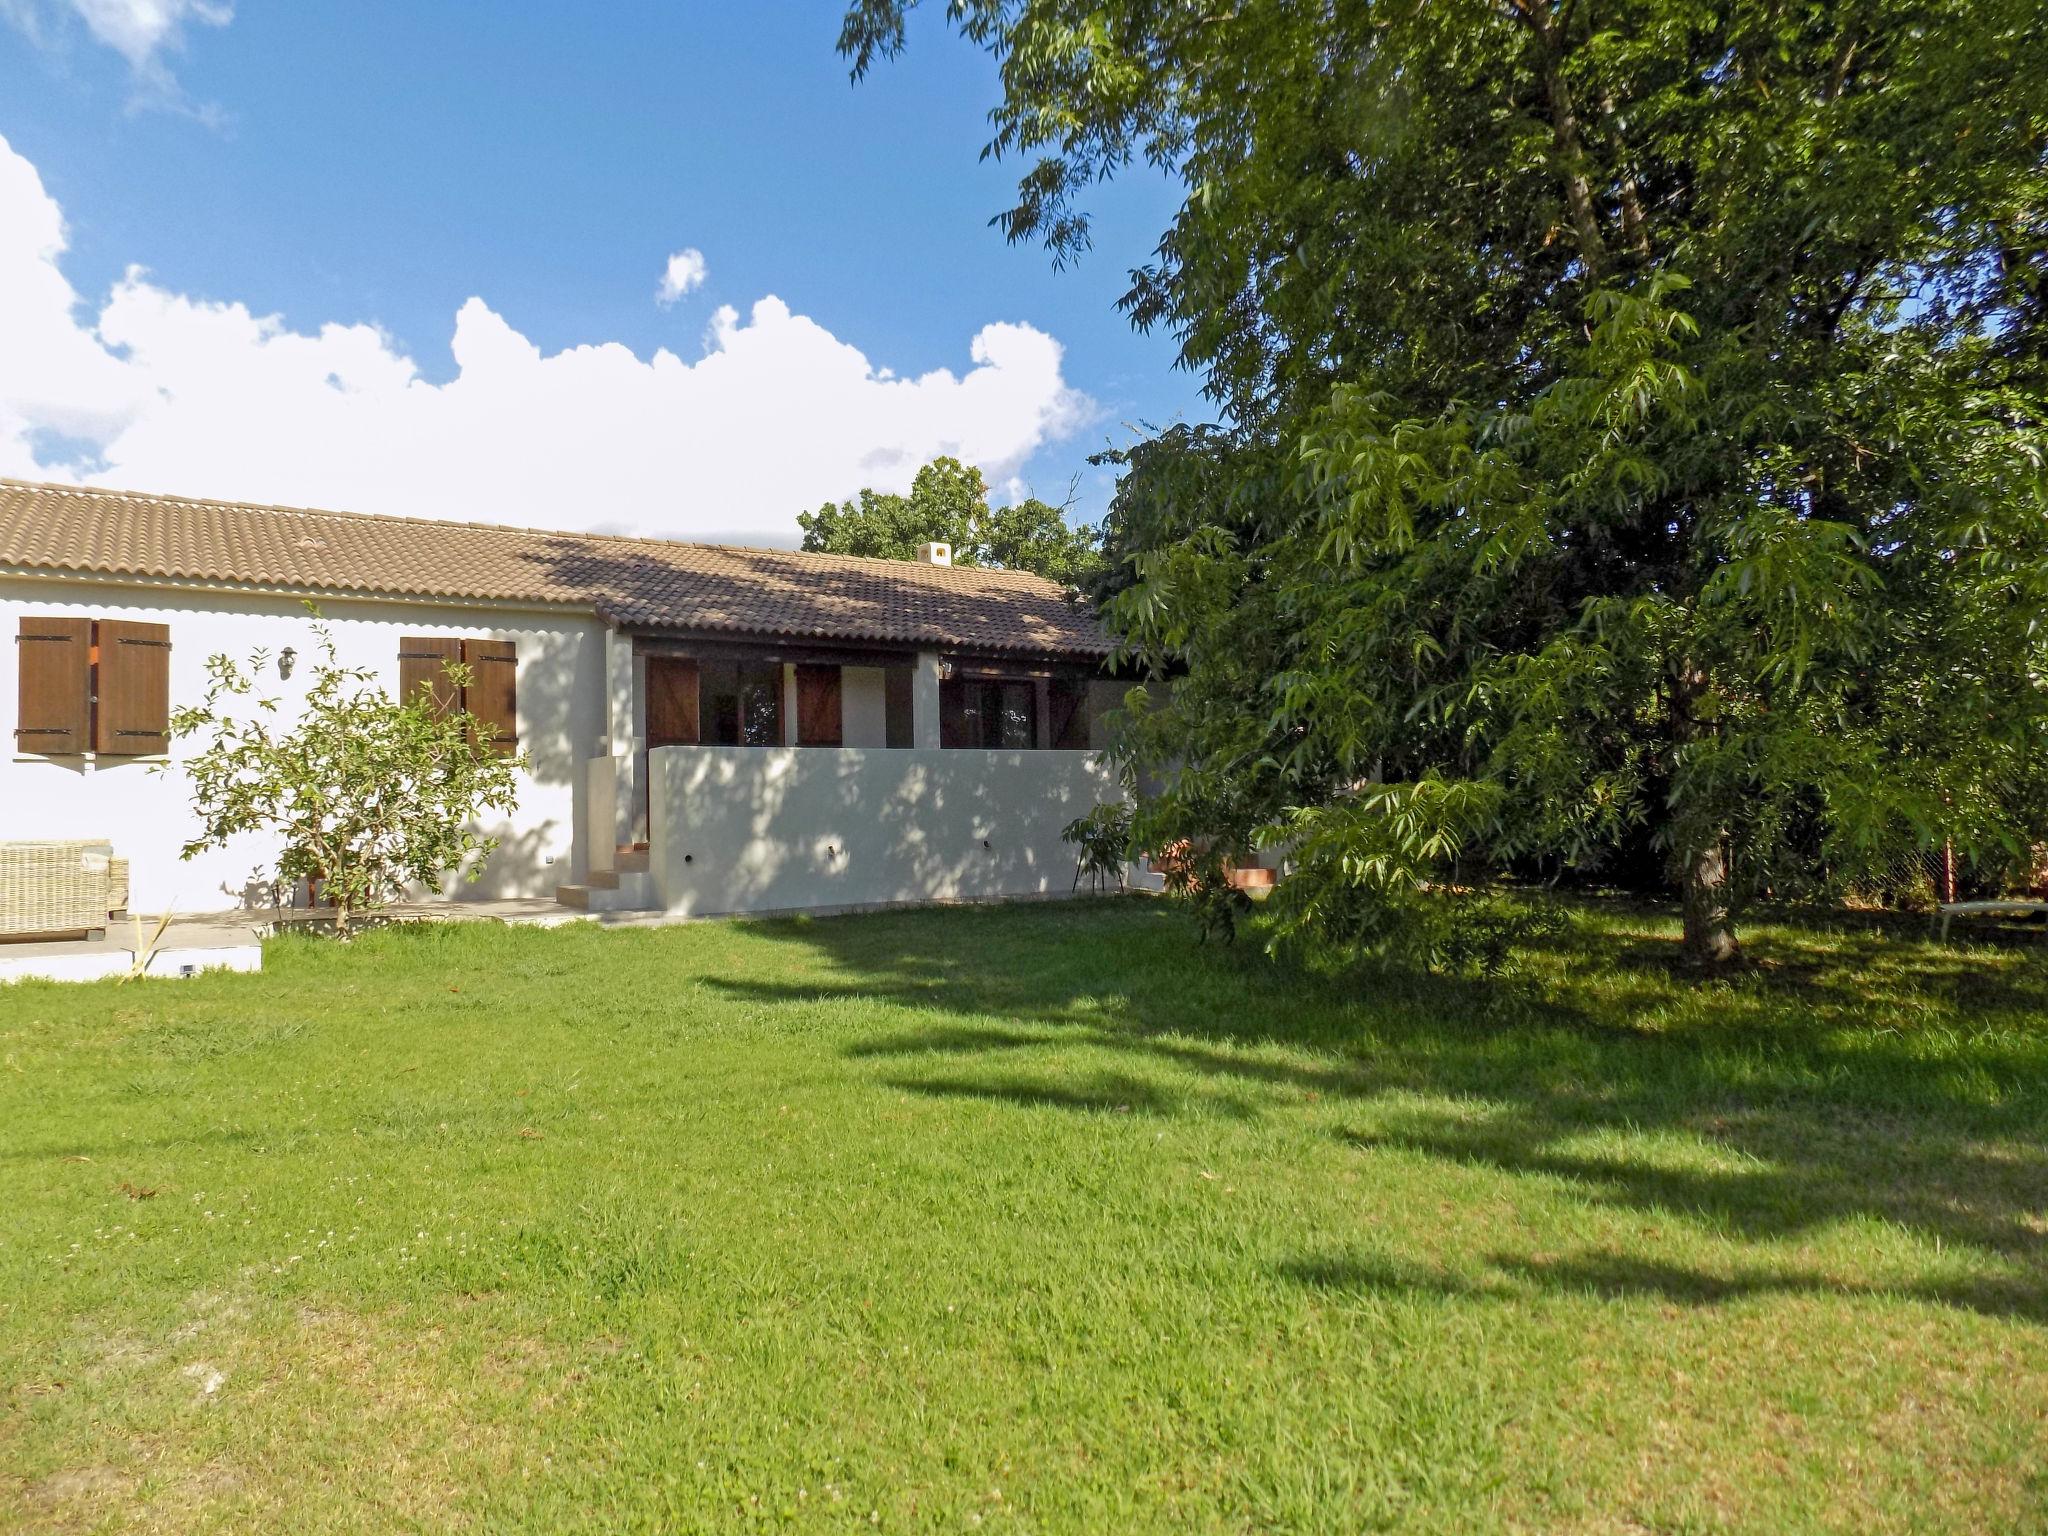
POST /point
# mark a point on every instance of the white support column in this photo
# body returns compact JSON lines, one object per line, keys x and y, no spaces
{"x":924,"y":701}
{"x":626,"y":735}
{"x":618,"y":689}
{"x":601,"y":814}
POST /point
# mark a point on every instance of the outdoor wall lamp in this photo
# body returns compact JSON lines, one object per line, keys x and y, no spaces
{"x":286,"y":660}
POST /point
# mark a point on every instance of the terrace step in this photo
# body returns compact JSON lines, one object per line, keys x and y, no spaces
{"x":619,"y":891}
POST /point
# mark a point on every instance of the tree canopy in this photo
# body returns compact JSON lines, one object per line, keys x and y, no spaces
{"x":1633,"y":422}
{"x":948,"y":503}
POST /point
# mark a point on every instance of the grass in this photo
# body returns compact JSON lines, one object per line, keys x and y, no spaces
{"x":1038,"y":1219}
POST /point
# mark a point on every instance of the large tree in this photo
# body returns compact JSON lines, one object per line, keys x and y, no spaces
{"x":1633,"y":419}
{"x":948,"y":504}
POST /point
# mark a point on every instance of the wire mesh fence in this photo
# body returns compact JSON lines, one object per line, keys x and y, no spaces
{"x":1909,"y":882}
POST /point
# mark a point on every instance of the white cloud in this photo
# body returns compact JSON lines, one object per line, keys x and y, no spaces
{"x":136,"y":29}
{"x":161,"y":391}
{"x":685,"y":270}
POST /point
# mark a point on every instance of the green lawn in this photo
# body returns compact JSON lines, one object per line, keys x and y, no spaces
{"x":1037,"y":1219}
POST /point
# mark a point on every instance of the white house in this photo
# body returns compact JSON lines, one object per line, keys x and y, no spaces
{"x":710,"y":728}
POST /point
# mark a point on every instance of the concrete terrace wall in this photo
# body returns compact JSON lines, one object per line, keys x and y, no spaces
{"x":754,"y":829}
{"x":146,"y":813}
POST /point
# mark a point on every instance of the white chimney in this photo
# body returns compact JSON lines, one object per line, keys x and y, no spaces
{"x":935,"y":554}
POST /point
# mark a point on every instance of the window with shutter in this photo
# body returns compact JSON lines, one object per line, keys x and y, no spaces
{"x":423,"y":663}
{"x":671,"y":701}
{"x":817,"y":707}
{"x":492,"y":697}
{"x":54,"y":700}
{"x":133,"y":714}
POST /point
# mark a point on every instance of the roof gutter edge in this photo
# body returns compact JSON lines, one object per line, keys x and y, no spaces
{"x":287,"y":589}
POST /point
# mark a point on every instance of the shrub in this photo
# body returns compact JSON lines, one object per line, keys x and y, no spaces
{"x":1102,"y":843}
{"x":366,"y":794}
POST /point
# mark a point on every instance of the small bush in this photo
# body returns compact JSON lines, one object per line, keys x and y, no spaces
{"x":364,"y":793}
{"x":1102,"y":843}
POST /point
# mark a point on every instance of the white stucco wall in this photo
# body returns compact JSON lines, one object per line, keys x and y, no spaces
{"x":143,"y":806}
{"x":863,"y":707}
{"x":740,"y":829}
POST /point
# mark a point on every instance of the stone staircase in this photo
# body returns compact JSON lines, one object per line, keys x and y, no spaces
{"x":625,"y":887}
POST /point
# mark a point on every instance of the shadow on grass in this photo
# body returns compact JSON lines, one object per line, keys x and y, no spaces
{"x":1845,"y":1075}
{"x":114,"y":1147}
{"x":1619,"y":1278}
{"x":1797,"y":1171}
{"x":1105,"y":1093}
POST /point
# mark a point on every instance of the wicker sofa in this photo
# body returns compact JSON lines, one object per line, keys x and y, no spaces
{"x":49,"y":890}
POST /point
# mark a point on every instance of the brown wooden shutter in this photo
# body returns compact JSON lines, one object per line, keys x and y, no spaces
{"x":53,"y":712}
{"x":1069,"y":700}
{"x":672,"y":702}
{"x":134,"y":693}
{"x":492,"y":697}
{"x":817,"y":707}
{"x":423,"y":662}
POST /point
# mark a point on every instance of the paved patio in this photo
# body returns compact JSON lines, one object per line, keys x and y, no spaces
{"x":208,"y":941}
{"x":230,"y":941}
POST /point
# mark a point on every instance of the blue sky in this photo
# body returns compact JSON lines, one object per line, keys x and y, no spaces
{"x":382,"y":164}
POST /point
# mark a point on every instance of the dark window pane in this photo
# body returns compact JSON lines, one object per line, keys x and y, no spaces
{"x":988,"y":714}
{"x":761,"y":705}
{"x":725,"y":720}
{"x":900,"y":685}
{"x":1069,"y":700}
{"x":959,"y":713}
{"x":719,"y":703}
{"x":741,"y":703}
{"x":1014,"y":716}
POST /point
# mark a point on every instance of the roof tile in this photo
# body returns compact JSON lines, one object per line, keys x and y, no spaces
{"x":636,"y":583}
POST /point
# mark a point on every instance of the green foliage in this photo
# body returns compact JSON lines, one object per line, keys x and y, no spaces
{"x":365,"y":794}
{"x":948,"y":504}
{"x":1636,"y":408}
{"x":1364,"y":881}
{"x":1197,"y":875}
{"x":1102,"y":843}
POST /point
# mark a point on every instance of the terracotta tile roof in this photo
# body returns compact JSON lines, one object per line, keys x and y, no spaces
{"x":636,"y":583}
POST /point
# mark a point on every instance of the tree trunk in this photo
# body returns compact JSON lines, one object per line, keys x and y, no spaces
{"x":1709,"y":925}
{"x":1701,"y":839}
{"x":1568,"y":146}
